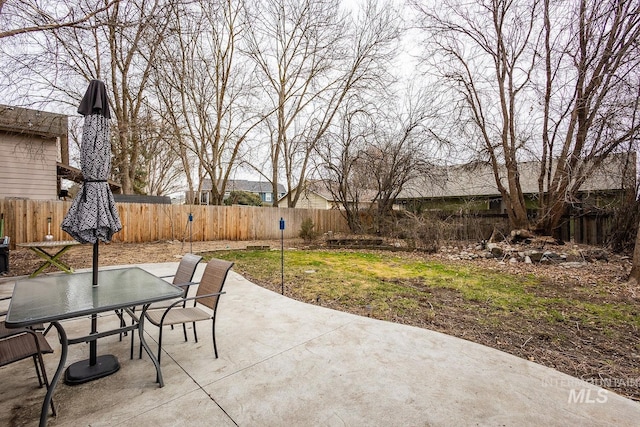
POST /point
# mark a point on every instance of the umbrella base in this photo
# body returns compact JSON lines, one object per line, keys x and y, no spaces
{"x":81,"y":372}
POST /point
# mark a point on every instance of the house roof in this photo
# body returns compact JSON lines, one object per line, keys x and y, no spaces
{"x":75,"y":175}
{"x":244,"y":185}
{"x":32,"y":122}
{"x":477,"y":179}
{"x":319,"y":187}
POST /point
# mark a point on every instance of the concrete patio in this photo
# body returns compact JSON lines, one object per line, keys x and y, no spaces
{"x":283,"y":362}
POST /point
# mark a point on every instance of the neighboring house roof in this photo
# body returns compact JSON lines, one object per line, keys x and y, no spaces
{"x":320,"y":189}
{"x":75,"y":175}
{"x":32,"y":122}
{"x":477,"y":179}
{"x":244,"y":185}
{"x":315,"y":187}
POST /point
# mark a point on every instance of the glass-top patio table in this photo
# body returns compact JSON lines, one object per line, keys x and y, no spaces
{"x":55,"y":298}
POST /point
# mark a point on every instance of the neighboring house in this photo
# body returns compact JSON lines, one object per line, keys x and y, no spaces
{"x":472,"y":186}
{"x":315,"y":195}
{"x":261,"y":188}
{"x":32,"y":145}
{"x":34,"y":154}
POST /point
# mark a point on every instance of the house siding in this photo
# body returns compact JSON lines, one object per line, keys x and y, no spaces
{"x":28,"y":167}
{"x":310,"y":200}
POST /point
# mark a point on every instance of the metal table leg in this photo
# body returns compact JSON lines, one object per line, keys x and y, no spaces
{"x":144,"y":344}
{"x":54,"y":381}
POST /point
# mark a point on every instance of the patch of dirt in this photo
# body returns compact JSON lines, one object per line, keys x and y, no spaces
{"x":23,"y":261}
{"x":583,"y":349}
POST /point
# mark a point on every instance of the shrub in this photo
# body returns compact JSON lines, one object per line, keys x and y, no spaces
{"x":306,"y":230}
{"x":243,"y":198}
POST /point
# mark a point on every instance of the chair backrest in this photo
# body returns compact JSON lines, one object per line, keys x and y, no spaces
{"x":213,"y":278}
{"x":186,"y":270}
{"x":18,"y":344}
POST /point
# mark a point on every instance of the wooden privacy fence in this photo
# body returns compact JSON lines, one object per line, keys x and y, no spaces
{"x":590,"y":228}
{"x":26,"y":221}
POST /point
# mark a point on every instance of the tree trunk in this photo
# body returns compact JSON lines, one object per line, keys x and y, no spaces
{"x":518,"y":210}
{"x":634,"y":276}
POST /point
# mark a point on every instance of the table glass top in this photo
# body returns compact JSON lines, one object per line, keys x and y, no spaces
{"x":50,"y":298}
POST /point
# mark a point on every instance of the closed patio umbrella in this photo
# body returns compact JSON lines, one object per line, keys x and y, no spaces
{"x":93,"y":215}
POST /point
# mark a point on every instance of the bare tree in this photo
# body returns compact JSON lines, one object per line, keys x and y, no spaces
{"x":119,"y":46}
{"x":483,"y":52}
{"x":368,"y":159}
{"x":22,"y":17}
{"x":35,"y":69}
{"x":341,"y":165}
{"x":161,"y":171}
{"x":590,"y":95}
{"x":400,"y":151}
{"x":310,"y":61}
{"x":133,"y":33}
{"x":554,"y":81}
{"x":205,"y":91}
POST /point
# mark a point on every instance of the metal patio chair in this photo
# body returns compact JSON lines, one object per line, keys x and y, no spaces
{"x":21,"y":343}
{"x":183,"y":279}
{"x":208,"y":294}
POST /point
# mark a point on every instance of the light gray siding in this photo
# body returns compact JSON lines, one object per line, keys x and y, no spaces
{"x":28,"y":167}
{"x":310,"y":200}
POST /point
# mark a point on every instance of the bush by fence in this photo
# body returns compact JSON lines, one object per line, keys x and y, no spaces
{"x":26,"y":221}
{"x":425,"y":229}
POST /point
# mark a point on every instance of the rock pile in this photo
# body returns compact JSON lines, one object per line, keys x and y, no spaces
{"x":530,"y":252}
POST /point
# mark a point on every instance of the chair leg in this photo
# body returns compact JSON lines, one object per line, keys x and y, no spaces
{"x":184,"y":329}
{"x":46,"y":331}
{"x":195,"y":334}
{"x":213,"y":332}
{"x":132,"y":345}
{"x":122,"y":322}
{"x":35,"y":363}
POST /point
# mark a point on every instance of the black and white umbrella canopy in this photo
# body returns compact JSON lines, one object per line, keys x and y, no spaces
{"x":93,"y":215}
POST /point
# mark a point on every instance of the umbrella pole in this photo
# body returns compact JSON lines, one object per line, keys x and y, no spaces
{"x":93,"y":345}
{"x":95,"y":263}
{"x":95,"y":367}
